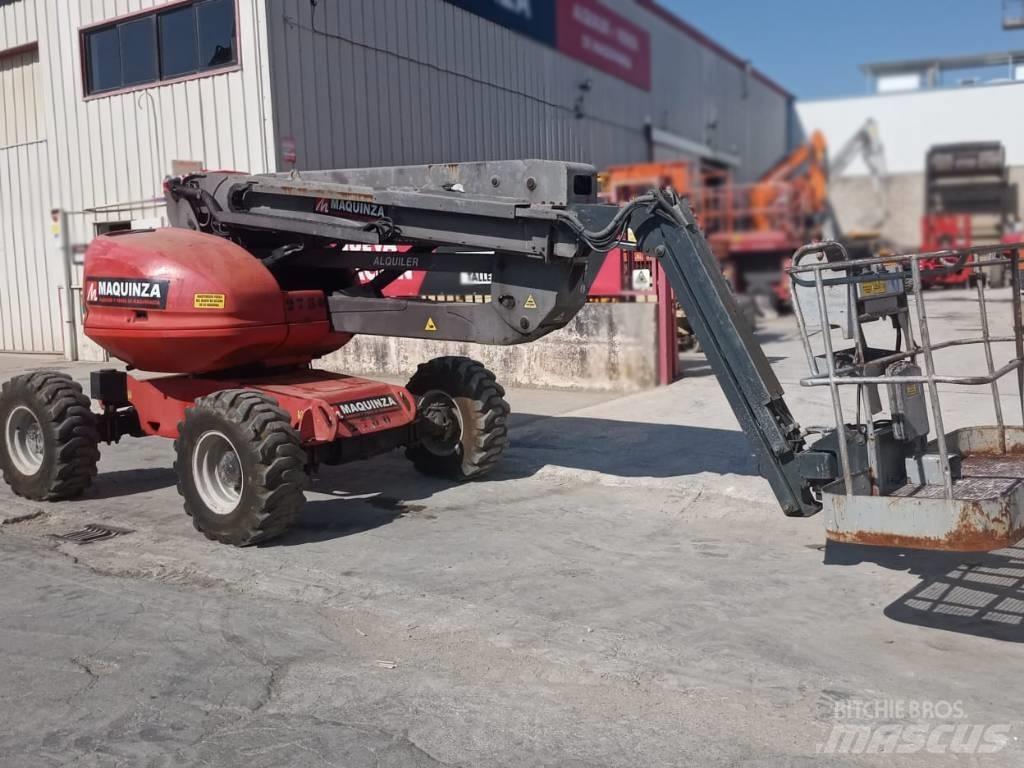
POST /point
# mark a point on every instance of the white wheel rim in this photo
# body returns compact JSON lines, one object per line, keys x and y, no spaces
{"x":24,"y":437}
{"x":217,"y":472}
{"x":438,"y":398}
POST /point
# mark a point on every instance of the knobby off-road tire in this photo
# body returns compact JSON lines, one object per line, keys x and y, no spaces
{"x":480,"y":413}
{"x":241,"y":467}
{"x":49,"y":443}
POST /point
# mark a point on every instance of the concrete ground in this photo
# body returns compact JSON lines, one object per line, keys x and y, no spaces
{"x":623,"y":592}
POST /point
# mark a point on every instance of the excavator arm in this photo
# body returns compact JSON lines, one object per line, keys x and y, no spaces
{"x":804,"y":171}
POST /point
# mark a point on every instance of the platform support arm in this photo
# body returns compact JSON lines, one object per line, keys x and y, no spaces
{"x":671,"y":234}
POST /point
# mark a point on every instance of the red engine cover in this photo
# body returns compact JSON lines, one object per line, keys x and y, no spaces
{"x":180,"y":301}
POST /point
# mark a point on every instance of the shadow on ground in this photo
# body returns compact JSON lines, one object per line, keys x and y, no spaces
{"x":345,"y":515}
{"x":973,"y":593}
{"x":125,"y":482}
{"x":354,"y":504}
{"x":622,"y":449}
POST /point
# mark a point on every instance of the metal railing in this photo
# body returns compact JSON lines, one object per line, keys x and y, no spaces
{"x":911,"y":269}
{"x":748,"y":208}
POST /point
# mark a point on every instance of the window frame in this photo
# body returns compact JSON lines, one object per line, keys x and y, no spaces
{"x":120,"y":44}
{"x":40,"y":135}
{"x":195,"y":40}
{"x":155,"y":11}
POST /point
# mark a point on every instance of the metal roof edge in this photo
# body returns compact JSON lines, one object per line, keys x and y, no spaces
{"x":671,"y":18}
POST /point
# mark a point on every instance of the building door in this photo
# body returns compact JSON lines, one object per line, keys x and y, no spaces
{"x":30,"y":278}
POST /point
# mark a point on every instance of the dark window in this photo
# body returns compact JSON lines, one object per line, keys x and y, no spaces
{"x":162,"y":45}
{"x":104,"y":60}
{"x":138,"y":52}
{"x":216,"y":20}
{"x":106,"y":227}
{"x":178,"y":43}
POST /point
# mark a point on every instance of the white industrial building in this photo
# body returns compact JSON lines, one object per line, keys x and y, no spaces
{"x":66,"y":143}
{"x":100,"y":99}
{"x":916,"y":105}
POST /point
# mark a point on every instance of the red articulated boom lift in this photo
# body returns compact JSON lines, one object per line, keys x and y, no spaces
{"x":256,"y":279}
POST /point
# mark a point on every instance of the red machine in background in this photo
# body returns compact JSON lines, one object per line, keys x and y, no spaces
{"x":755,"y":227}
{"x":945,"y":232}
{"x":627,"y":274}
{"x":1014,"y":237}
{"x":968,"y":200}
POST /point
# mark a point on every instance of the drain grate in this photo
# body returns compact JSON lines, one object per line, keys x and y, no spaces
{"x":92,"y":532}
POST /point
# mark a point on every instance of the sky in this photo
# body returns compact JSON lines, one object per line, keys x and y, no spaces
{"x":813,"y":48}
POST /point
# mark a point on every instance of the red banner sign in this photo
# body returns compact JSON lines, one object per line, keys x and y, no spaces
{"x":588,"y":31}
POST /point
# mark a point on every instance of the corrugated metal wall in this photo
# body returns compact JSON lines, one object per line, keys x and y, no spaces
{"x":381,"y":82}
{"x":29,"y":320}
{"x":113,"y":151}
{"x":29,"y":312}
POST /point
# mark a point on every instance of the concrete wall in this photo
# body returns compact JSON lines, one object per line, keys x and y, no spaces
{"x":605,"y":347}
{"x":854,"y":199}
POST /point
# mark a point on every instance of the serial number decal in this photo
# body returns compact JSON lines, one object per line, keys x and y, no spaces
{"x":367,"y":405}
{"x":126,"y":292}
{"x":208,"y":301}
{"x":357,"y":208}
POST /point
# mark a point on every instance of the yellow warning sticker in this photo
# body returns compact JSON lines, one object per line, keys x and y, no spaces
{"x":912,"y":390}
{"x":430,"y":326}
{"x":873,"y":288}
{"x":208,"y":301}
{"x":530,"y":303}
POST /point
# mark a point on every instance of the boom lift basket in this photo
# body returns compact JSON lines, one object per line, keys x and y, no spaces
{"x":959,"y":490}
